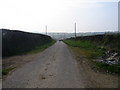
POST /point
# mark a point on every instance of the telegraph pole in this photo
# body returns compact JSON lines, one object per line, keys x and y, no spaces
{"x":46,"y":29}
{"x":64,"y":35}
{"x":75,"y":30}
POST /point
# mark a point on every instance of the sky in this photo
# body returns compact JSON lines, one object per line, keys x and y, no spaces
{"x":59,"y":15}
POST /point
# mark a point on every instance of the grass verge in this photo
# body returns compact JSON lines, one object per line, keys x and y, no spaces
{"x":7,"y":70}
{"x":108,"y":68}
{"x":91,"y":48}
{"x":91,"y":51}
{"x":41,"y":48}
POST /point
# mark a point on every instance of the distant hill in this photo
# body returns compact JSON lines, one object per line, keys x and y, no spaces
{"x":63,"y":35}
{"x":16,"y":42}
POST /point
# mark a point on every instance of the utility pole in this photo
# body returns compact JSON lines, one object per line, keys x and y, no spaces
{"x":75,"y":30}
{"x":64,"y":35}
{"x":46,"y":29}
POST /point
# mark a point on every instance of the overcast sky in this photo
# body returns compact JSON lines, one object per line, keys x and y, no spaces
{"x":59,"y":15}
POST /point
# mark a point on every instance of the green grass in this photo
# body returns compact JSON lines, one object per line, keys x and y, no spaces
{"x":91,"y":52}
{"x":41,"y":48}
{"x":108,"y":68}
{"x":0,"y":73}
{"x":7,"y":70}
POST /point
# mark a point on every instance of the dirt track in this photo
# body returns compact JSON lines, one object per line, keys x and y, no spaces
{"x":55,"y":68}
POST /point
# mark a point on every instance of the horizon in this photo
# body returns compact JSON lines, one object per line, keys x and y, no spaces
{"x":59,"y":15}
{"x":59,"y":32}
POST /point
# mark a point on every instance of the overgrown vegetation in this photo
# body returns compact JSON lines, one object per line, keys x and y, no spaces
{"x":18,"y":42}
{"x":92,"y":51}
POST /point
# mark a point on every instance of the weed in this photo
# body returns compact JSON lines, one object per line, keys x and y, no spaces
{"x":108,"y":68}
{"x":7,"y":70}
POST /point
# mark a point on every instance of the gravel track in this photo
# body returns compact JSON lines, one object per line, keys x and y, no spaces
{"x":53,"y":68}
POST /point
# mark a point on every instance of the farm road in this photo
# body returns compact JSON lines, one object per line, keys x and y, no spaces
{"x":53,"y":68}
